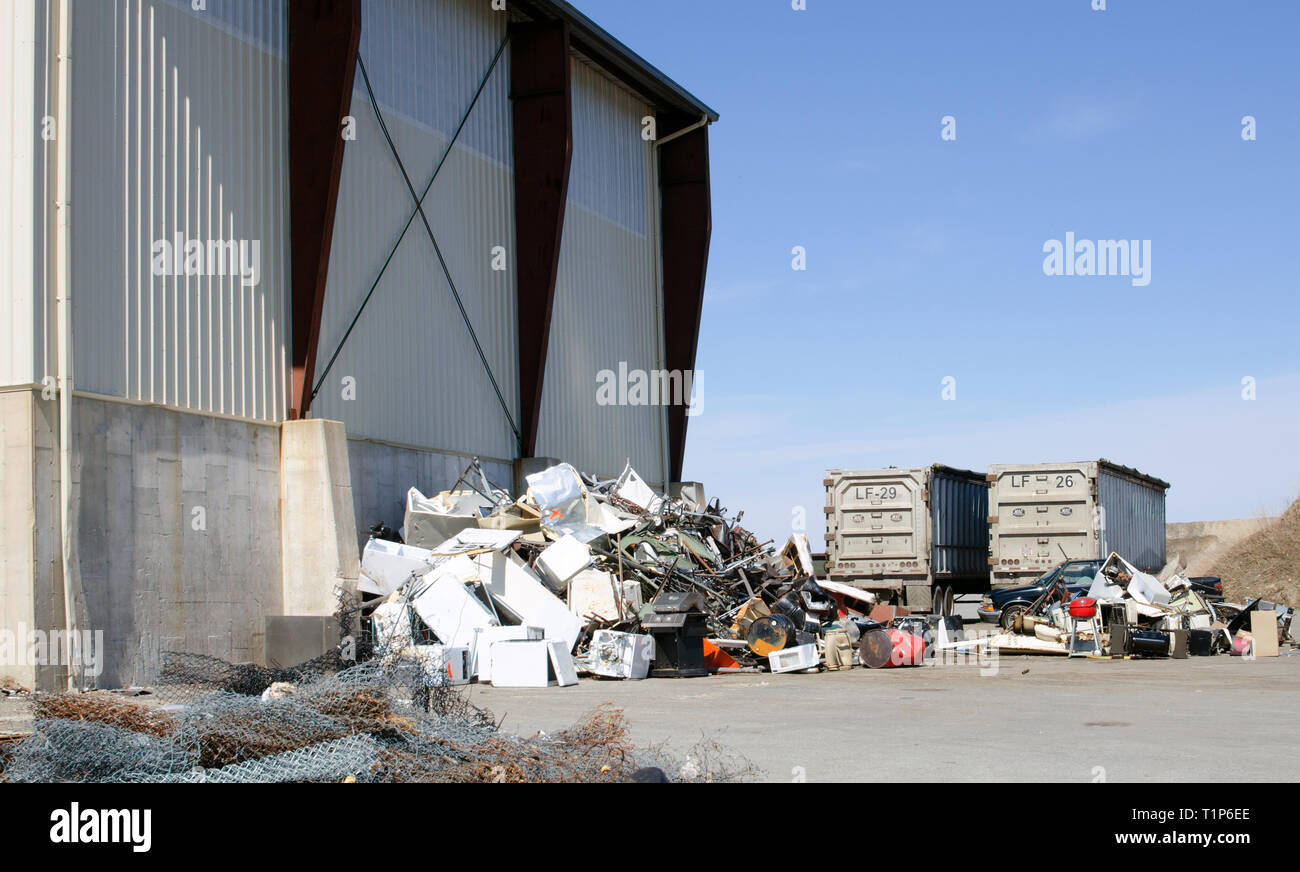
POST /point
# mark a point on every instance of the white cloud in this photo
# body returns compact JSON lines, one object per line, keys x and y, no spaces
{"x":1082,"y":118}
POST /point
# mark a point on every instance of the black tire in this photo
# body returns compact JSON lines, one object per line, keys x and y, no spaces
{"x":1009,"y":614}
{"x":940,"y":600}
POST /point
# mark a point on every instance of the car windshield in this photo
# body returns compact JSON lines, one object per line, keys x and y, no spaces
{"x":1081,"y":574}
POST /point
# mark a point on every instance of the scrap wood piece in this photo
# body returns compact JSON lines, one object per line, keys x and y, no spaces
{"x":798,"y":555}
{"x":1018,"y":644}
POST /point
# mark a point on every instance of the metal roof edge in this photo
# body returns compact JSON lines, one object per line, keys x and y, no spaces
{"x":598,"y":44}
{"x":1133,"y":473}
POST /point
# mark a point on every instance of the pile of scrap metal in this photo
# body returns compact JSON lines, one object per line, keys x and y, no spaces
{"x":1130,"y":613}
{"x":602,"y":576}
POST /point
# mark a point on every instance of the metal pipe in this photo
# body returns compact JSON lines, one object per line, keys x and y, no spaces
{"x":659,"y":296}
{"x":63,"y":304}
{"x":704,"y":120}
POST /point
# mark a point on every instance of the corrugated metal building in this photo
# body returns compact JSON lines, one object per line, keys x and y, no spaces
{"x":243,"y":249}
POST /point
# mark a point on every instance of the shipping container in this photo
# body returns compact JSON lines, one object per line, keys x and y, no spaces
{"x":915,"y":537}
{"x":1044,"y":513}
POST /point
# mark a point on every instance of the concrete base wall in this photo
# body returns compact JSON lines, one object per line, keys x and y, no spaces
{"x":179,"y":534}
{"x":185,"y":525}
{"x":319,"y":550}
{"x":383,"y":473}
{"x":31,"y":590}
{"x":1201,"y":543}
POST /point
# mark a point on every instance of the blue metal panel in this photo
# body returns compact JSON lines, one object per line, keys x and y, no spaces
{"x":959,"y":508}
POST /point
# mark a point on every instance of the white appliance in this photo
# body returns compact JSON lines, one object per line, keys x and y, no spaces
{"x":443,"y":664}
{"x":793,"y":659}
{"x":485,"y":637}
{"x":620,"y":655}
{"x":531,"y":663}
{"x":448,"y":607}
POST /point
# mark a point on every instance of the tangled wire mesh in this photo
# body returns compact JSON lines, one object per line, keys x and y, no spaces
{"x":377,"y":721}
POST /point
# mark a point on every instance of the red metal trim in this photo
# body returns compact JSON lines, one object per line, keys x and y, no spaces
{"x":686,"y":225}
{"x":323,"y":39}
{"x":543,"y":147}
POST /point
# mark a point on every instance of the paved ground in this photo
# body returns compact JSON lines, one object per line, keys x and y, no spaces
{"x":1034,"y":719}
{"x":1037,"y":718}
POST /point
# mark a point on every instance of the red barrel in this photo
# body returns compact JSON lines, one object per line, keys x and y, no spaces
{"x":1084,"y":607}
{"x":883,"y":649}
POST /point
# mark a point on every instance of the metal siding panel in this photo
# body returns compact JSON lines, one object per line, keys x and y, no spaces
{"x":180,"y":127}
{"x":1134,"y":520}
{"x":606,"y":296}
{"x":419,"y":381}
{"x":23,"y":58}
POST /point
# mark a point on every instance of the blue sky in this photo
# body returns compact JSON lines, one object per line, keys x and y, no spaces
{"x":925,"y":257}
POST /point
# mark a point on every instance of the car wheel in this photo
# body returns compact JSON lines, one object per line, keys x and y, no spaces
{"x":1009,"y":615}
{"x":940,"y":600}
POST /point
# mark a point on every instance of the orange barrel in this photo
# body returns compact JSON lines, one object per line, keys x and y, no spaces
{"x":770,"y":633}
{"x":882,"y":649}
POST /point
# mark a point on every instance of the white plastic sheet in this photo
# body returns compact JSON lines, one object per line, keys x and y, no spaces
{"x":633,"y":488}
{"x":474,"y":539}
{"x":1143,"y":587}
{"x":562,"y":499}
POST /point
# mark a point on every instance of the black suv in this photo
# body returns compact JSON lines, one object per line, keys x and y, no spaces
{"x":1001,"y":606}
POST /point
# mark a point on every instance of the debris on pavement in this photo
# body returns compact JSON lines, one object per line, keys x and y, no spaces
{"x":1130,"y":613}
{"x":627,"y":581}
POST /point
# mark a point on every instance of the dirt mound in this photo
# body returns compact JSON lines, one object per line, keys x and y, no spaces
{"x":1265,"y":564}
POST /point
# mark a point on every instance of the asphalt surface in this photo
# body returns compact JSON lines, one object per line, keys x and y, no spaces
{"x":1029,"y":719}
{"x":1022,"y":719}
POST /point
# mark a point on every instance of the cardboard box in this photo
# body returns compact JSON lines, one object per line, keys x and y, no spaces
{"x":1263,"y":629}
